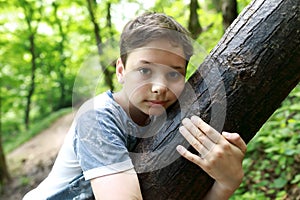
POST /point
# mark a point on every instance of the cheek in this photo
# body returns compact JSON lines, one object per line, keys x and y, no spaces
{"x":130,"y":83}
{"x":133,"y":83}
{"x":135,"y":91}
{"x":177,"y":88}
{"x":133,"y":78}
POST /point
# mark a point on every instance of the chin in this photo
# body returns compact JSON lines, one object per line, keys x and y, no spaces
{"x":157,"y":111}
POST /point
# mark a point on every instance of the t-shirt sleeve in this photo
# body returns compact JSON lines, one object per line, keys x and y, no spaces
{"x":100,"y":144}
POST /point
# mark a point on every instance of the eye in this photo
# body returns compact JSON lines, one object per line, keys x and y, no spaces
{"x":174,"y":76}
{"x":145,"y":71}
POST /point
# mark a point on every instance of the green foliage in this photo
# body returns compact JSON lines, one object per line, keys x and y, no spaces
{"x":272,"y":162}
{"x":212,"y":22}
{"x":63,"y":41}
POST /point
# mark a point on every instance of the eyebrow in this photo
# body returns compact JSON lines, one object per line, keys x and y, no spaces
{"x":174,"y":67}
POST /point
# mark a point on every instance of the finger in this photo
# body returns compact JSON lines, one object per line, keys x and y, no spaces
{"x":193,"y":141}
{"x":197,"y":133}
{"x":206,"y":129}
{"x":236,"y":139}
{"x":192,"y":128}
{"x":188,"y":155}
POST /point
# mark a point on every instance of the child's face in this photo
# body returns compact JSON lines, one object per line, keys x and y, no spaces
{"x":153,"y":78}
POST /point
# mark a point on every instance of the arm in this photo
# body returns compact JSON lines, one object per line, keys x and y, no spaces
{"x":100,"y":147}
{"x":220,"y":156}
{"x":119,"y":186}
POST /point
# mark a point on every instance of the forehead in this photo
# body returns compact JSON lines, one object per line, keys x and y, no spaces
{"x":159,"y":52}
{"x":164,"y":45}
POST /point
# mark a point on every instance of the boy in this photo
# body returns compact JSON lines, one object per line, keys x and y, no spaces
{"x":94,"y":160}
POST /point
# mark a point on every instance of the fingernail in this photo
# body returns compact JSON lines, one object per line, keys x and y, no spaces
{"x":181,"y":128}
{"x":226,"y":134}
{"x":185,"y":120}
{"x":180,"y":149}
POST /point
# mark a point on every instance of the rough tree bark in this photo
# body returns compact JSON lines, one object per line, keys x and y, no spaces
{"x":237,"y":88}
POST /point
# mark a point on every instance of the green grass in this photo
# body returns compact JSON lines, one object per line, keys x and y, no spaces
{"x":14,"y":141}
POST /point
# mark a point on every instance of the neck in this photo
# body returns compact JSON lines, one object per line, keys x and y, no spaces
{"x":134,"y":113}
{"x":138,"y":117}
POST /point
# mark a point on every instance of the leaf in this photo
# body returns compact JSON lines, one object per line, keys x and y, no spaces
{"x":280,"y":182}
{"x":290,"y":152}
{"x":296,"y":179}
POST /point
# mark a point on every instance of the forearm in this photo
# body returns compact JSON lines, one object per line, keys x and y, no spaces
{"x":119,"y":186}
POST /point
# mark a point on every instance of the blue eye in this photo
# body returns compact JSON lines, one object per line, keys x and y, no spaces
{"x":174,"y":76}
{"x":145,"y":71}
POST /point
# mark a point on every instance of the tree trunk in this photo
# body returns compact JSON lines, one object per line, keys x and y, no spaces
{"x":107,"y":74}
{"x":32,"y":30}
{"x":32,"y":80}
{"x":62,"y":66}
{"x":217,"y":4}
{"x":4,"y":174}
{"x":229,"y":12}
{"x":194,"y":24}
{"x":237,"y":88}
{"x":108,"y":19}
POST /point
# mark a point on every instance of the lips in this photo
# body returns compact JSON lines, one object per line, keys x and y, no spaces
{"x":156,"y":102}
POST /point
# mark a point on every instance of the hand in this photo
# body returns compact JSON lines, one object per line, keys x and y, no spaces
{"x":220,"y":156}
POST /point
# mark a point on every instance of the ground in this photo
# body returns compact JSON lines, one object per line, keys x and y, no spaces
{"x":32,"y":161}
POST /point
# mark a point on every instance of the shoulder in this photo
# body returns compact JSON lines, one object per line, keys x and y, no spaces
{"x":102,"y":105}
{"x":101,"y":113}
{"x":100,"y":101}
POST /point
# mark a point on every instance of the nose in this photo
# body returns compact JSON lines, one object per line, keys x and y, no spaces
{"x":159,"y":87}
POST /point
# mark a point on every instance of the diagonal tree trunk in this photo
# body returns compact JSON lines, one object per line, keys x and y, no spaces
{"x":237,"y":88}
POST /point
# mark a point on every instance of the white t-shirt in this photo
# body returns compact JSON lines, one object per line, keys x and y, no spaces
{"x":98,"y":143}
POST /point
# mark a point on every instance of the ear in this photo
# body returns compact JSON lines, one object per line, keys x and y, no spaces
{"x":120,"y":70}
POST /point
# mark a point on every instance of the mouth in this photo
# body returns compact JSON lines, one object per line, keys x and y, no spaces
{"x":156,"y":103}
